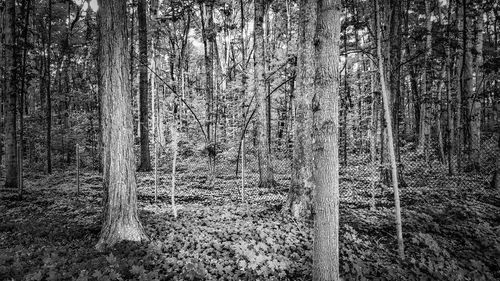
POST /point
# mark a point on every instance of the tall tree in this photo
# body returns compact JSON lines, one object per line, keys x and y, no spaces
{"x":208,"y":34}
{"x":450,"y":111}
{"x":325,"y":170}
{"x":265,"y":168}
{"x":11,"y":63}
{"x":121,"y":221}
{"x":464,"y":71}
{"x":390,"y":142}
{"x":48,"y":98}
{"x":425,"y":111}
{"x":300,"y":194}
{"x":145,"y":164}
{"x":475,"y":100}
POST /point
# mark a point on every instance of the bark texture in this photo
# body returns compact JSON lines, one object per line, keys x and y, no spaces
{"x":300,"y":195}
{"x":143,"y":86}
{"x":475,"y":101}
{"x":121,"y":221}
{"x":325,"y":108}
{"x":11,"y":58}
{"x":265,"y":168}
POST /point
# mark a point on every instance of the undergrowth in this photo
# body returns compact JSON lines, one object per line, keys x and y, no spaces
{"x":450,"y":224}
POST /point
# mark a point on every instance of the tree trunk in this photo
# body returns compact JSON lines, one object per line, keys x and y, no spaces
{"x":121,"y":220}
{"x":495,"y":180}
{"x":265,"y":169}
{"x":325,"y":169}
{"x":390,"y":142}
{"x":243,"y":98}
{"x":374,"y":113}
{"x":208,"y":34}
{"x":425,"y":111}
{"x":464,"y":72}
{"x":3,"y":77}
{"x":11,"y":73}
{"x":395,"y":69}
{"x":300,"y":194}
{"x":143,"y":86}
{"x":451,"y":126}
{"x":475,"y":101}
{"x":22,"y":96}
{"x":48,"y":93}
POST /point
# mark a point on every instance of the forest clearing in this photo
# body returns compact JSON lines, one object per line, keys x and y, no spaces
{"x":319,"y":140}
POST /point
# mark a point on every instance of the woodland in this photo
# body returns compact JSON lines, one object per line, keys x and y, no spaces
{"x":249,"y":140}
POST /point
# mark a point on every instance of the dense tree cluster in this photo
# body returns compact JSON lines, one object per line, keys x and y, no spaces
{"x":311,"y":81}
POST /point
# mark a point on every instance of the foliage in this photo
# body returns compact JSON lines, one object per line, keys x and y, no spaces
{"x":50,"y":234}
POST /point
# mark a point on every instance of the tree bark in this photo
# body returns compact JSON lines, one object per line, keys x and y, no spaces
{"x":451,"y":125}
{"x":395,"y":69}
{"x":143,"y":86}
{"x":48,"y":108}
{"x":11,"y":73}
{"x":265,"y":169}
{"x":475,"y":101}
{"x":208,"y":34}
{"x":121,"y":220}
{"x":325,"y":170}
{"x":300,"y":194}
{"x":424,"y":138}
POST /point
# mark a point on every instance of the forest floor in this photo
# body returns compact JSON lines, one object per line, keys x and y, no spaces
{"x":451,"y":230}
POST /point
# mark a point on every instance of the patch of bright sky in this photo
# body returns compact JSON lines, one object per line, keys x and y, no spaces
{"x":93,"y":4}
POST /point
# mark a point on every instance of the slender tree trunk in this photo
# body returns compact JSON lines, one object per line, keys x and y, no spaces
{"x":465,"y":80}
{"x":208,"y":34}
{"x":495,"y":180}
{"x":390,"y":142}
{"x":11,"y":73}
{"x":475,"y":101}
{"x":121,"y":221}
{"x":143,"y":86}
{"x":451,"y":126}
{"x":3,"y":76}
{"x":265,"y":169}
{"x":438,"y":118}
{"x":395,"y":69}
{"x":374,"y":114}
{"x":425,"y":111}
{"x":243,"y":96}
{"x":325,"y":170}
{"x":300,"y":194}
{"x":48,"y":92}
{"x":22,"y":96}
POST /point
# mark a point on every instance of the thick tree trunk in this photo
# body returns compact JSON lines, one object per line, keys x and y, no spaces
{"x":390,"y":142}
{"x":325,"y":171}
{"x":300,"y":194}
{"x":121,"y":220}
{"x":11,"y":73}
{"x":145,"y":164}
{"x":265,"y":169}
